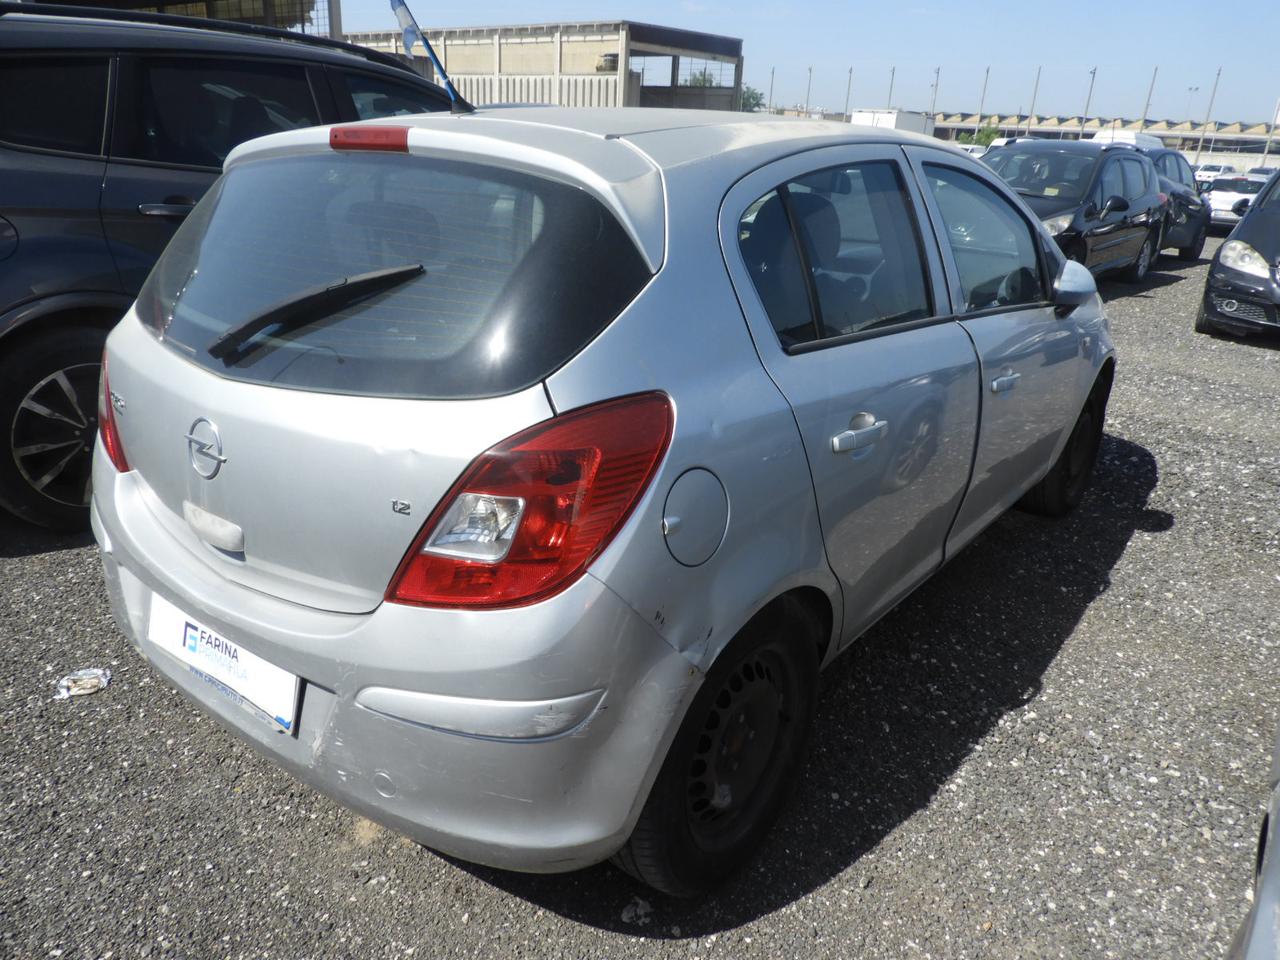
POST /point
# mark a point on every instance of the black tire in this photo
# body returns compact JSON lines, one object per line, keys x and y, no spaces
{"x":1064,"y":485}
{"x":1193,"y":252}
{"x":49,"y":400}
{"x":734,"y":760}
{"x":1202,"y":324}
{"x":1137,"y":271}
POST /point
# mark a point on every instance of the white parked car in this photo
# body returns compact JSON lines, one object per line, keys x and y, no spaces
{"x":1226,"y":193}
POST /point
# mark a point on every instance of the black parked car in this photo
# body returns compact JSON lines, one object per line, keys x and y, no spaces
{"x":112,"y":126}
{"x":1186,"y":222}
{"x":1242,"y":292}
{"x":1101,"y":201}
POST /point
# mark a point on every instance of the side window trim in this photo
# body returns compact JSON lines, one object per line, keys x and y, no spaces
{"x":810,"y":284}
{"x":917,"y":158}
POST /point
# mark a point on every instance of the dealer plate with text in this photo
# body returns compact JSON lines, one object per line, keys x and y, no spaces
{"x":262,"y":684}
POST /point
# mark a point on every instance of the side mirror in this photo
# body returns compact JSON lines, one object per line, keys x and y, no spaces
{"x":1091,"y":211}
{"x":1240,"y":207}
{"x":1115,"y":204}
{"x":1074,"y":287}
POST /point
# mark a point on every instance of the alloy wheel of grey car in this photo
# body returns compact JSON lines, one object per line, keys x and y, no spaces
{"x":49,"y":413}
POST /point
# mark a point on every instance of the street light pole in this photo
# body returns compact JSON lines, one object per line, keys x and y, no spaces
{"x":847,"y":91}
{"x":1271,"y":132}
{"x":771,"y":69}
{"x":1191,"y":92}
{"x":1208,"y":113}
{"x":982,"y":101}
{"x":889,"y":104}
{"x":807,"y":89}
{"x":1146,"y":109}
{"x":1093,"y":75}
{"x":933,"y":104}
{"x":1034,"y":91}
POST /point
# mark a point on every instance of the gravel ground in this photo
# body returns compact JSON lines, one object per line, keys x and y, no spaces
{"x":1057,"y":748}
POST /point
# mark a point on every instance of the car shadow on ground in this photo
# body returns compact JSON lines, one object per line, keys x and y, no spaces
{"x":902,"y":710}
{"x":21,"y":539}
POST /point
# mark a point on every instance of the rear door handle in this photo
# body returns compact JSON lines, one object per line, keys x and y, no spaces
{"x":859,"y":438}
{"x":1005,"y":383}
{"x":165,"y":209}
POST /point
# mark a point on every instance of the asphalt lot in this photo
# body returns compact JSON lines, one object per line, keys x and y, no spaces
{"x":1057,"y":748}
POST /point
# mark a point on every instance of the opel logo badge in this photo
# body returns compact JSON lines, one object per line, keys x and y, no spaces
{"x":204,"y":448}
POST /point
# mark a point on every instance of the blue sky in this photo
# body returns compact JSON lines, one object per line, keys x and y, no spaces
{"x":1123,"y":40}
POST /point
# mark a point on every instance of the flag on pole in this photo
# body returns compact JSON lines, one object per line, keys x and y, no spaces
{"x":413,"y":35}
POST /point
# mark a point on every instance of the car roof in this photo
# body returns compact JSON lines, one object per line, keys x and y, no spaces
{"x":628,"y":158}
{"x":1246,"y":176}
{"x":26,"y":31}
{"x":1068,"y":146}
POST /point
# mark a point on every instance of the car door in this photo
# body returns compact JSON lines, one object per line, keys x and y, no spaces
{"x":359,"y":95}
{"x":843,"y":294}
{"x":52,"y":109}
{"x":176,"y":120}
{"x":1107,"y":238}
{"x":1144,"y":203}
{"x":999,"y":264}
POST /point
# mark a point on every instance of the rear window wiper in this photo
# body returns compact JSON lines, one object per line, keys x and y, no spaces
{"x":307,"y":306}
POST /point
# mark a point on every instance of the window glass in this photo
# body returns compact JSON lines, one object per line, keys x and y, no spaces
{"x":994,"y":248}
{"x":53,"y":102}
{"x":861,"y":248}
{"x":1112,"y":182}
{"x":376,"y":97}
{"x":514,"y":274}
{"x":196,"y":111}
{"x":1184,"y":172}
{"x":1238,"y":185}
{"x":860,"y":240}
{"x":1135,"y":179}
{"x":769,"y":251}
{"x":1167,"y":166}
{"x":1043,"y":171}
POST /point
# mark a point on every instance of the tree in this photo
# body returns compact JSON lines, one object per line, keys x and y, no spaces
{"x":752,"y":99}
{"x":983,"y":137}
{"x":700,"y":78}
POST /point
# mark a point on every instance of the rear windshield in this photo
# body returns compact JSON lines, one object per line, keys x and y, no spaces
{"x":517,"y":273}
{"x":1043,"y":173}
{"x":1238,"y":185}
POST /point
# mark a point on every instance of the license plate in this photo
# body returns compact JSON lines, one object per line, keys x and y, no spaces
{"x":258,"y":682}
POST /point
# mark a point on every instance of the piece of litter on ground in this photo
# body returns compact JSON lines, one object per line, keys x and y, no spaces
{"x":82,"y":682}
{"x":637,"y":911}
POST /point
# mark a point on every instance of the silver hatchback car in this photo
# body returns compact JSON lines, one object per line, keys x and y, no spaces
{"x":510,"y":476}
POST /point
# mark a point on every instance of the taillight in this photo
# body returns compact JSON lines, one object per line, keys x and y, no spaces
{"x":393,"y":139}
{"x":1164,"y":198}
{"x":529,"y":515}
{"x":107,"y":430}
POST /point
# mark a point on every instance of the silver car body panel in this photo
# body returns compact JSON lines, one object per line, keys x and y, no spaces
{"x":528,"y":738}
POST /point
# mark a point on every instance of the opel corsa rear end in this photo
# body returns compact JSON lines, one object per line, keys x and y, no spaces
{"x":339,"y":510}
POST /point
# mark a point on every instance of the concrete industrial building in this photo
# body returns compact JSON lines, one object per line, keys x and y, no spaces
{"x":615,"y":63}
{"x":321,"y":18}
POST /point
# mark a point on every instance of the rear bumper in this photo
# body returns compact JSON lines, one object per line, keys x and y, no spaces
{"x":524,"y":739}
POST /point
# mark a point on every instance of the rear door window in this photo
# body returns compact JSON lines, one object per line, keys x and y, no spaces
{"x":993,"y":247}
{"x":517,"y":273}
{"x":858,"y":266}
{"x":193,"y":112}
{"x":53,"y":103}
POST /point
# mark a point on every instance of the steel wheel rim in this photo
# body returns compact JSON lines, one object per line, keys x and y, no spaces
{"x":53,"y":431}
{"x":741,"y":749}
{"x":1144,"y":259}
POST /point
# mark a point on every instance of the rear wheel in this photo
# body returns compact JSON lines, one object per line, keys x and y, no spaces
{"x":1064,"y":485}
{"x":733,"y":760}
{"x":48,"y":424}
{"x":1196,"y":247}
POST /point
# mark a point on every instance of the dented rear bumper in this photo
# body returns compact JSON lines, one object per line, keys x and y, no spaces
{"x":525,"y":739}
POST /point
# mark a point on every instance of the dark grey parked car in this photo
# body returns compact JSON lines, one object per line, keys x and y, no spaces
{"x":112,"y":126}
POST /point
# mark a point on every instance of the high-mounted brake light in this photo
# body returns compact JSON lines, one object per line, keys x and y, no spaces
{"x":391,"y":139}
{"x":107,"y":429}
{"x":529,"y":515}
